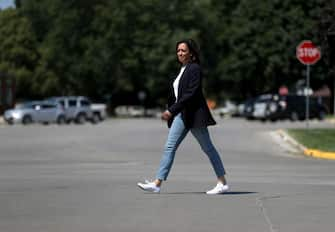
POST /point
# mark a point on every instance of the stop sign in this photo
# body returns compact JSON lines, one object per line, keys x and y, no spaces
{"x":307,"y":53}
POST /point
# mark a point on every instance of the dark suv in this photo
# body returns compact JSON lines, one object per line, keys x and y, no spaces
{"x":293,"y":107}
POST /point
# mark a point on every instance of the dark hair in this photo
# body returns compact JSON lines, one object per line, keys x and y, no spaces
{"x":193,"y":47}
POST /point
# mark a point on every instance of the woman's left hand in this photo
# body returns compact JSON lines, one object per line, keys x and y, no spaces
{"x":166,"y":115}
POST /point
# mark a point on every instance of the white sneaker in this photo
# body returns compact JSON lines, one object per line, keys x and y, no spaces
{"x":149,"y":187}
{"x":218,"y":189}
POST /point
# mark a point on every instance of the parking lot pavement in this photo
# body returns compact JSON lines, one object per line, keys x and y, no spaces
{"x":83,"y":178}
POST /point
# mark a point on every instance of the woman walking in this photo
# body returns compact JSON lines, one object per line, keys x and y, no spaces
{"x":187,"y":111}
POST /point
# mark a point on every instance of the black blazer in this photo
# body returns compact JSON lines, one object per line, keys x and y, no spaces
{"x":191,"y":102}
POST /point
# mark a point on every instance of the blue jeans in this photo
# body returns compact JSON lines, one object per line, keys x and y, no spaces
{"x":176,"y":135}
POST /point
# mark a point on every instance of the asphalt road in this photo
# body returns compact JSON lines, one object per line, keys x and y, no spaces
{"x":83,"y":178}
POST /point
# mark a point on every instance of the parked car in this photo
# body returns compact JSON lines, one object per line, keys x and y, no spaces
{"x":254,"y":108}
{"x":264,"y":105}
{"x":228,"y":108}
{"x":79,"y":109}
{"x":36,"y":111}
{"x":239,"y":110}
{"x":99,"y":111}
{"x":293,"y":107}
{"x":130,"y":111}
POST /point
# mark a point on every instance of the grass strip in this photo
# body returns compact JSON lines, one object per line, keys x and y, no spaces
{"x":320,"y":139}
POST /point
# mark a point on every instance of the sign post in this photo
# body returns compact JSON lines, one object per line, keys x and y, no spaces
{"x":308,"y":54}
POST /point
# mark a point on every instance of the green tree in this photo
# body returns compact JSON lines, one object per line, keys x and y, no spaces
{"x":260,"y":43}
{"x":18,"y":56}
{"x":327,"y":32}
{"x":100,"y":47}
{"x":135,"y":42}
{"x":327,"y":37}
{"x":61,"y":27}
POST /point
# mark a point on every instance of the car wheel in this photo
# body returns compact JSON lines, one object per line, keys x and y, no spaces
{"x":263,"y":119}
{"x":81,"y":118}
{"x":294,"y":116}
{"x":61,"y":120}
{"x":96,"y":118}
{"x":273,"y":119}
{"x":27,"y":120}
{"x":10,"y":122}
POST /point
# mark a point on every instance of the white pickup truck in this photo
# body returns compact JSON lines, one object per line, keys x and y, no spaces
{"x":99,"y":112}
{"x":79,"y":109}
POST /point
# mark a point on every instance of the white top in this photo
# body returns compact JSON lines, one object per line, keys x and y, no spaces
{"x":176,"y":81}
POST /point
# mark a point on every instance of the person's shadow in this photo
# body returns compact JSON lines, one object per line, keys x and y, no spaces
{"x":201,"y":193}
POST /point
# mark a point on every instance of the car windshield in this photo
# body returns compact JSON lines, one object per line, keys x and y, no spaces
{"x":26,"y":105}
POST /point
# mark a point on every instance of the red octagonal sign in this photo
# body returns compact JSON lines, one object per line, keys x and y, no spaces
{"x":307,"y":53}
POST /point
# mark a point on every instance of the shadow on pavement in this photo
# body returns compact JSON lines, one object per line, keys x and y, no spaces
{"x":198,"y":193}
{"x":239,"y":193}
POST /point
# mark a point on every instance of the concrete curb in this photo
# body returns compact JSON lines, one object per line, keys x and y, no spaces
{"x":307,"y":151}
